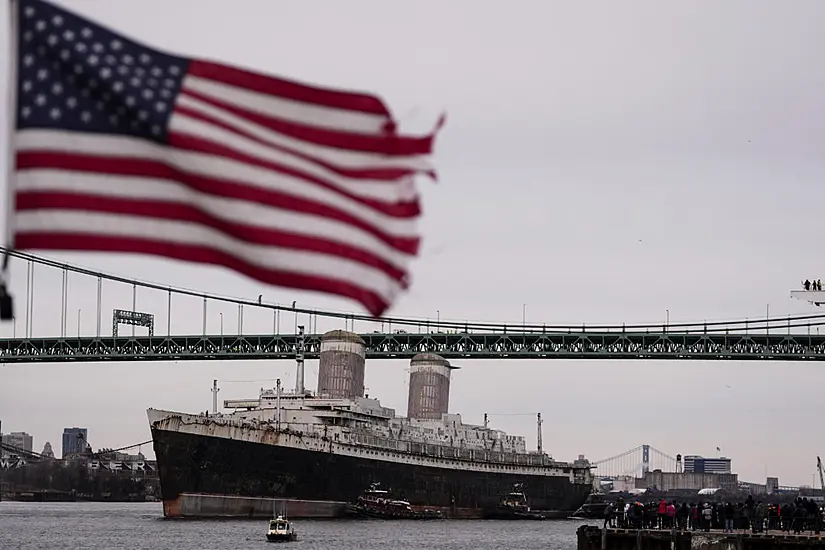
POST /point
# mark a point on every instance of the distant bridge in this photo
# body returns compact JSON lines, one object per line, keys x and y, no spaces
{"x":634,"y":463}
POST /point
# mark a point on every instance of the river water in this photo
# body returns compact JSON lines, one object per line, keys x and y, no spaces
{"x":141,"y":526}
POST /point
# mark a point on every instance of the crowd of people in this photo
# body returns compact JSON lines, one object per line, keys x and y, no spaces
{"x":800,"y":516}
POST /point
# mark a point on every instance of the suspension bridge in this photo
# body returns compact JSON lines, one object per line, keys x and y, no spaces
{"x":635,"y":462}
{"x":52,"y":339}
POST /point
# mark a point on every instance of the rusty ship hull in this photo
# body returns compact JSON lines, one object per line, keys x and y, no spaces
{"x":214,"y":468}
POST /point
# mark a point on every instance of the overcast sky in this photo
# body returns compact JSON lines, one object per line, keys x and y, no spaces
{"x":601,"y":163}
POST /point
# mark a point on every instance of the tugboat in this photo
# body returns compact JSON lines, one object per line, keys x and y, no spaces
{"x":593,"y":508}
{"x":514,"y":505}
{"x":281,"y":530}
{"x":378,"y":503}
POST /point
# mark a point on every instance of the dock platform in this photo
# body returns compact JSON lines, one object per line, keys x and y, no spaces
{"x":595,"y":538}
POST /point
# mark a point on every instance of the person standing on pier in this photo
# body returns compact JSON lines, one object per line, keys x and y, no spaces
{"x":730,"y":513}
{"x":662,"y":513}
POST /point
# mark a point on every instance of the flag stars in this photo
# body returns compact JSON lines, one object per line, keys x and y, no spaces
{"x":76,"y":76}
{"x":29,"y":12}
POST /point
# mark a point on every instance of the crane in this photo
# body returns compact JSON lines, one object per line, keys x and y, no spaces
{"x":821,"y":475}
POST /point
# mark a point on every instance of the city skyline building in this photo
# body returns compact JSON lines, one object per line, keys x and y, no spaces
{"x":75,"y":440}
{"x":702,"y":465}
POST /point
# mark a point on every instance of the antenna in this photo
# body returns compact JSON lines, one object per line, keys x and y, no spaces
{"x":299,"y":358}
{"x":538,"y":427}
{"x":215,"y":391}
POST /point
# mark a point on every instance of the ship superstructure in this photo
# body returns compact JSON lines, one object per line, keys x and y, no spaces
{"x":316,"y":452}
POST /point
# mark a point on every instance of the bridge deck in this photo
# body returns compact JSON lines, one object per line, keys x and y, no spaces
{"x":583,"y":345}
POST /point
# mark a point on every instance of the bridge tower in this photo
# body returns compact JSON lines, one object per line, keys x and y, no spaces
{"x":645,"y":459}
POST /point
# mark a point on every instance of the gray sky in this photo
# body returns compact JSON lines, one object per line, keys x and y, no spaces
{"x":599,"y":164}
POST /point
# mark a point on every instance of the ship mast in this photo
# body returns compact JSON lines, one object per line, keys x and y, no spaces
{"x":278,"y":403}
{"x":299,"y":358}
{"x":215,"y":391}
{"x":538,"y":427}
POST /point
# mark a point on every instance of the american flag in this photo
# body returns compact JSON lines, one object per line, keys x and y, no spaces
{"x":120,"y":147}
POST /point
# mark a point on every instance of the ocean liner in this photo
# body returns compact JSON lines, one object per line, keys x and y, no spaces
{"x":312,"y":453}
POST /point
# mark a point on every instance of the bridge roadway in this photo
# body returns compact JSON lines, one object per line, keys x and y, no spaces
{"x":510,"y":345}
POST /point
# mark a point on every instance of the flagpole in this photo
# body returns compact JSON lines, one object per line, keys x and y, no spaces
{"x":6,"y":309}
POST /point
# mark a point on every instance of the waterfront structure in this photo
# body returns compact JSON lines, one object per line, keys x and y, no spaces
{"x":700,"y":465}
{"x":75,"y":440}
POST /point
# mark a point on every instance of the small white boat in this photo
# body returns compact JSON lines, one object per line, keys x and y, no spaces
{"x":281,"y":530}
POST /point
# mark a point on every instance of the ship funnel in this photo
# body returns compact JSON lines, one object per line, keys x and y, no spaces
{"x":429,"y":395}
{"x":341,"y":365}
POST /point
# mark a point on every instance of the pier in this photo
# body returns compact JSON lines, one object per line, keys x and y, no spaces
{"x":595,"y":538}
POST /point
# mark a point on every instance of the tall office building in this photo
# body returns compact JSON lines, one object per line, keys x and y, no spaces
{"x":21,"y":440}
{"x":701,"y":465}
{"x":75,"y":440}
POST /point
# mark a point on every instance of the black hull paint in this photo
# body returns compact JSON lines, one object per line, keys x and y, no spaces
{"x":189,"y":463}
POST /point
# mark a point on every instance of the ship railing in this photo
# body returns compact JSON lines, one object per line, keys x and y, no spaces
{"x":456,"y":453}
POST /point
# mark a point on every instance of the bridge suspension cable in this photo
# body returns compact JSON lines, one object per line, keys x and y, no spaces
{"x":787,"y":322}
